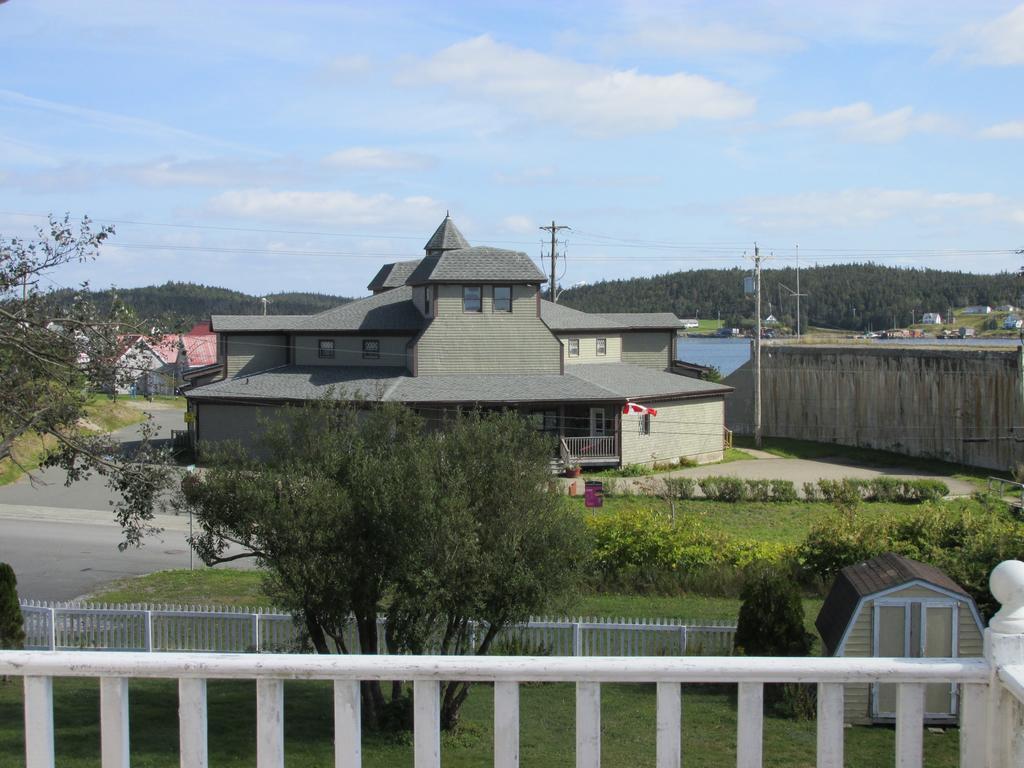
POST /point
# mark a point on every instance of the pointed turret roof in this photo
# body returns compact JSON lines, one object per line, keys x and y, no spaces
{"x":446,"y":238}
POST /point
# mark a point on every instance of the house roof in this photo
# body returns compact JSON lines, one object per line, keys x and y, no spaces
{"x":200,"y":349}
{"x":392,"y":310}
{"x":559,"y":317}
{"x":446,"y":237}
{"x":392,"y":275}
{"x":878,"y":574}
{"x":616,"y":382}
{"x":477,"y":264}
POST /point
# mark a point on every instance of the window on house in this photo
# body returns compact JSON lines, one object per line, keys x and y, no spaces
{"x":426,"y":300}
{"x":325,"y":349}
{"x":574,"y":347}
{"x":645,"y":424}
{"x":502,"y":298}
{"x":602,"y":346}
{"x":471,"y":298}
{"x":371,"y":349}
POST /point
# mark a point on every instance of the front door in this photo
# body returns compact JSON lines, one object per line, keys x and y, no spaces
{"x":915,"y":629}
{"x":598,"y":425}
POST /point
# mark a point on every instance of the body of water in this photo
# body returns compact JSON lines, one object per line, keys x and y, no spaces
{"x":729,"y":354}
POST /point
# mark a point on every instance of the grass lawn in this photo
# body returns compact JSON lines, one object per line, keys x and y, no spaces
{"x":547,"y":723}
{"x":789,"y":448}
{"x":205,"y":586}
{"x":787,"y":523}
{"x":101,"y":414}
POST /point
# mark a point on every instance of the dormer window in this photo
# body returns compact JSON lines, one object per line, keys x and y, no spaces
{"x":502,"y":298}
{"x":471,"y":301}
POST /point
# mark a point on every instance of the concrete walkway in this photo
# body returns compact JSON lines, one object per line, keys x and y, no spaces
{"x":771,"y":467}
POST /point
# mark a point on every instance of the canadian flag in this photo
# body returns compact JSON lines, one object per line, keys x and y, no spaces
{"x":636,"y":408}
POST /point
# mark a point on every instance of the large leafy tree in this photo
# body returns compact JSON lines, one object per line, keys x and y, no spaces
{"x":444,"y":537}
{"x":50,"y":361}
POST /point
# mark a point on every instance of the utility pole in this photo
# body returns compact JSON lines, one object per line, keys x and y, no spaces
{"x":798,"y":294}
{"x":554,"y":229}
{"x":757,"y":347}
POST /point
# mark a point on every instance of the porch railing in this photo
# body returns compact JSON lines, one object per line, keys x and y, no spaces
{"x":991,"y":695}
{"x":582,"y":449}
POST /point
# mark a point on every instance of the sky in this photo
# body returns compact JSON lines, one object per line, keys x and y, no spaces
{"x":269,"y":146}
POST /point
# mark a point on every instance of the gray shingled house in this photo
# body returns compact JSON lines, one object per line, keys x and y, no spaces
{"x":466,"y":327}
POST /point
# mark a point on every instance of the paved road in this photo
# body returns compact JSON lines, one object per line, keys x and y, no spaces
{"x":62,"y":540}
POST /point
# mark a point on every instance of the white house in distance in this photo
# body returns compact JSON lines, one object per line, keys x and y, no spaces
{"x":931,"y":318}
{"x":1012,"y":323}
{"x":689,"y":322}
{"x":1006,"y":308}
{"x":980,"y":309}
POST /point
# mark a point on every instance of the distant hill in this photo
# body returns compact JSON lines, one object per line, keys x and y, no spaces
{"x":177,"y":306}
{"x":841,"y":296}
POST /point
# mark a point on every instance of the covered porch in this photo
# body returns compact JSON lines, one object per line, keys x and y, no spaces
{"x":588,"y":434}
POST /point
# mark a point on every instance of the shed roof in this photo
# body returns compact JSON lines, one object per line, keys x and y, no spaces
{"x":855,"y":582}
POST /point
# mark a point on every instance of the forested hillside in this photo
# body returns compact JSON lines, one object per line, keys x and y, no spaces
{"x":177,"y":306}
{"x":846,"y":296}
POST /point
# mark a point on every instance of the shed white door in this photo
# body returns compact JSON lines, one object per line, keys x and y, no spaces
{"x":916,"y":629}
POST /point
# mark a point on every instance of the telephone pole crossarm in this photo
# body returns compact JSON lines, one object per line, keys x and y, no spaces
{"x":554,"y":230}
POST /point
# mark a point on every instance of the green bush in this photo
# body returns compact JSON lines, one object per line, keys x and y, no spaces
{"x":843,"y":493}
{"x":759,"y":490}
{"x":783,"y":491}
{"x":925,"y":490}
{"x":771,"y":620}
{"x":966,"y":540}
{"x":886,"y":489}
{"x":717,"y":488}
{"x":12,"y":625}
{"x":812,"y":492}
{"x":680,"y":487}
{"x":644,"y":550}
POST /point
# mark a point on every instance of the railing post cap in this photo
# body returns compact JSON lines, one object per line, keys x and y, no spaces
{"x":1007,"y":586}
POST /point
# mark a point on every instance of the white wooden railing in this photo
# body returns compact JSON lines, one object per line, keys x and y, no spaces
{"x":991,"y":695}
{"x":581,"y":449}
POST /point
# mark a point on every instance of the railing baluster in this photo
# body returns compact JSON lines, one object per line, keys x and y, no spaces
{"x":830,"y":725}
{"x":909,"y":725}
{"x":506,"y":725}
{"x":114,"y":722}
{"x":588,"y":725}
{"x":38,"y":722}
{"x":348,"y":749}
{"x":426,"y":723}
{"x":669,"y":748}
{"x":192,"y":729}
{"x":749,"y":726}
{"x":269,"y":723}
{"x":973,"y":722}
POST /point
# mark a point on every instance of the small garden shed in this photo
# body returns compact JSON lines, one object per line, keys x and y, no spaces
{"x":891,"y":605}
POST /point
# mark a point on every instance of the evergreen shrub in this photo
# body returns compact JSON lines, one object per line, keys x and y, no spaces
{"x":12,"y":628}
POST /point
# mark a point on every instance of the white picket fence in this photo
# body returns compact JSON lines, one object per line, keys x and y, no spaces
{"x":104,"y":627}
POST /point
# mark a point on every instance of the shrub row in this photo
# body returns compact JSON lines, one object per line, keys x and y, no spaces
{"x":841,"y":492}
{"x":965,"y":541}
{"x":886,"y":489}
{"x":642,"y":549}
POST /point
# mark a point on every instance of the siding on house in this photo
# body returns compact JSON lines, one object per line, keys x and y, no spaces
{"x":588,"y":348}
{"x":253,"y":353}
{"x":221,"y":422}
{"x":650,"y":349}
{"x":689,"y":429}
{"x":487,"y":341}
{"x":348,"y":350}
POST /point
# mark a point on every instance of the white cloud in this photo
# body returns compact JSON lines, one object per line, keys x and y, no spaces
{"x":519,"y":225}
{"x":1011,"y":130}
{"x":860,"y":122}
{"x":852,"y":208}
{"x":998,"y":43}
{"x":682,"y":38}
{"x":378,"y":159}
{"x":591,"y":99}
{"x":344,"y":67}
{"x":340,"y":208}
